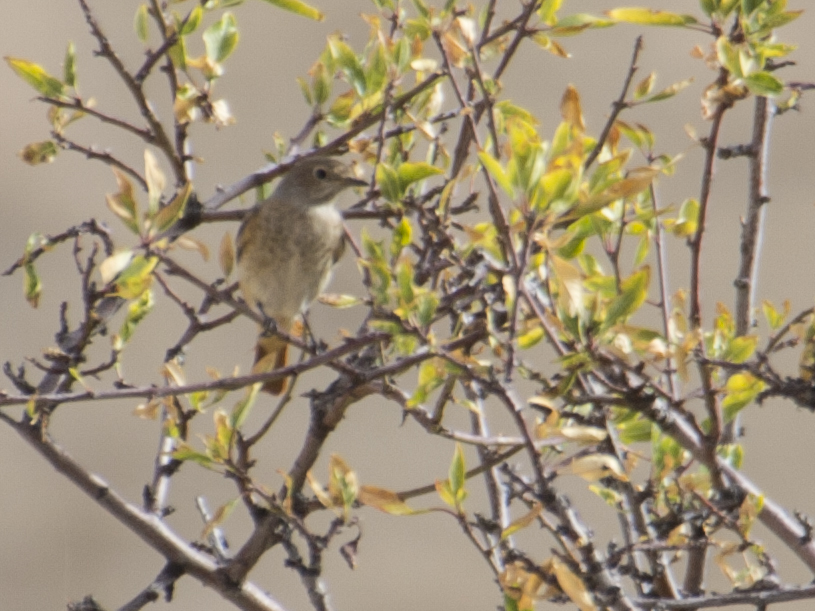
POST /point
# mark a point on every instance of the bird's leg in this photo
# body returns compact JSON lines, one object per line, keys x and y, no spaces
{"x":314,"y":344}
{"x":269,"y":324}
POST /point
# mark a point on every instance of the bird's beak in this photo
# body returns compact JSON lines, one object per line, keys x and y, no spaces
{"x":350,"y":181}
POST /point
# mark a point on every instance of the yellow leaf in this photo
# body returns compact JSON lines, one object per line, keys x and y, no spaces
{"x":226,"y":255}
{"x":570,"y":108}
{"x":570,"y":278}
{"x":385,"y":500}
{"x":115,"y":263}
{"x":221,"y":514}
{"x":318,"y":490}
{"x":586,"y":434}
{"x":573,"y":586}
{"x":340,"y":301}
{"x":188,"y":243}
{"x":167,"y":216}
{"x":597,"y":466}
{"x":156,"y":181}
{"x":522,"y":522}
{"x":495,"y":170}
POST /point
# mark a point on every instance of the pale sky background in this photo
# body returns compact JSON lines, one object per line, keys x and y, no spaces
{"x":57,"y":546}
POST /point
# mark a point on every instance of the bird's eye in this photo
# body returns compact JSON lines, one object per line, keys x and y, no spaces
{"x":320,"y":174}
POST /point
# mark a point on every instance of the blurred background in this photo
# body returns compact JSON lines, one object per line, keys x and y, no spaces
{"x":56,"y":545}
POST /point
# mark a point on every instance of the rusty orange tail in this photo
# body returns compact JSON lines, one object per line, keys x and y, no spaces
{"x":271,"y":353}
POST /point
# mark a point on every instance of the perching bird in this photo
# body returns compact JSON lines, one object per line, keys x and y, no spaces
{"x":286,"y":247}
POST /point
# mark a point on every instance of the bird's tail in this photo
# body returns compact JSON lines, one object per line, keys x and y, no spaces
{"x":271,"y":353}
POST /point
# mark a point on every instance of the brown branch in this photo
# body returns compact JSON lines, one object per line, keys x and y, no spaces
{"x":135,"y":89}
{"x":150,"y":529}
{"x":78,"y":105}
{"x":752,"y":226}
{"x":104,"y":157}
{"x":617,"y":107}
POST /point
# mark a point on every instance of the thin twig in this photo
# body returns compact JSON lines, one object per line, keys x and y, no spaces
{"x":617,"y":107}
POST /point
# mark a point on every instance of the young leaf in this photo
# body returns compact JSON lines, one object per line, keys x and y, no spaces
{"x":495,"y":170}
{"x":39,"y":152}
{"x":597,"y":466}
{"x":32,"y":287}
{"x":140,"y":21}
{"x":763,"y":83}
{"x":169,"y":214}
{"x":136,"y":277}
{"x":457,"y":473}
{"x":573,"y":586}
{"x":522,"y":522}
{"x":156,"y":181}
{"x":298,"y":8}
{"x":646,"y":16}
{"x":401,"y":236}
{"x":69,"y":66}
{"x":221,"y":38}
{"x":634,"y":290}
{"x":570,"y":108}
{"x":123,"y":203}
{"x":193,"y":21}
{"x":409,"y":172}
{"x":37,"y":77}
{"x":226,"y":255}
{"x":385,"y":500}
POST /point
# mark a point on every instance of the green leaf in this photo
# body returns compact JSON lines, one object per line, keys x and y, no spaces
{"x":185,"y":453}
{"x":742,"y":389}
{"x":669,"y":92}
{"x":37,"y":77}
{"x":510,"y":604}
{"x":775,"y":318}
{"x":426,"y":308}
{"x":646,"y":16}
{"x":779,"y":20}
{"x":637,"y":430}
{"x":136,"y":312}
{"x":221,"y":38}
{"x":242,"y":408}
{"x":748,"y":6}
{"x":32,"y":287}
{"x":708,"y":6}
{"x":321,"y":82}
{"x":764,"y":84}
{"x":349,"y":62}
{"x":741,"y":348}
{"x":193,"y":21}
{"x":388,"y":181}
{"x":401,"y":236}
{"x":531,"y":337}
{"x":645,"y":86}
{"x":136,"y":277}
{"x":298,"y":8}
{"x":547,"y":11}
{"x":458,"y":472}
{"x":409,"y":172}
{"x":495,"y":170}
{"x":140,"y":21}
{"x":69,"y":66}
{"x":633,"y":292}
{"x":577,"y":21}
{"x":169,"y":214}
{"x":688,"y":220}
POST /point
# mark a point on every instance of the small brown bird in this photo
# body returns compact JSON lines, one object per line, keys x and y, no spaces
{"x":286,"y":247}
